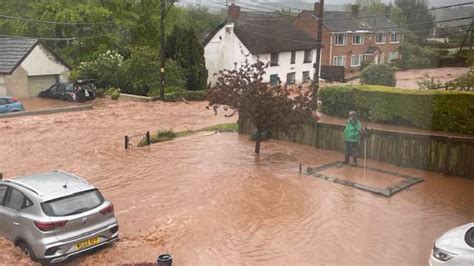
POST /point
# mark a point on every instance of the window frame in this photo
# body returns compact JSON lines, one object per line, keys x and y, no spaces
{"x":384,"y":38}
{"x":24,"y":204}
{"x":360,"y":56}
{"x":335,"y":59}
{"x":4,"y":195}
{"x":336,"y":38}
{"x":308,"y":54}
{"x":293,"y":74}
{"x":361,"y":39}
{"x":293,"y":57}
{"x":273,"y":56}
{"x":308,"y":79}
{"x":397,"y":38}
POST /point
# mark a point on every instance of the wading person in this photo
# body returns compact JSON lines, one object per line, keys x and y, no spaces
{"x":351,"y":137}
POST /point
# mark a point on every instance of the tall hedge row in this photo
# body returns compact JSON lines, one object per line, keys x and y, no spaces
{"x":426,"y":109}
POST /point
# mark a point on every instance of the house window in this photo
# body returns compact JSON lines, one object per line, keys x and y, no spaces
{"x":392,"y":56}
{"x":293,"y":57}
{"x":307,"y":56}
{"x":382,"y":58}
{"x":356,"y":60}
{"x":380,"y":38}
{"x":306,"y":77}
{"x":340,"y":39}
{"x":290,"y":78}
{"x":395,"y":38}
{"x":358,"y":39}
{"x":339,"y":60}
{"x":274,"y":59}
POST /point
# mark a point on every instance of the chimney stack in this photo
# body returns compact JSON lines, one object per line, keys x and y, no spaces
{"x":355,"y":11}
{"x":317,"y":8}
{"x":234,"y":11}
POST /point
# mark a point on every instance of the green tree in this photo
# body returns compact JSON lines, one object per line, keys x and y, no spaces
{"x":418,"y":17}
{"x":184,"y":46}
{"x":266,"y":107}
{"x":414,"y":56}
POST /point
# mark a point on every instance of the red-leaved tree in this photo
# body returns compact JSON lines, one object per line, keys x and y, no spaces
{"x":266,"y":107}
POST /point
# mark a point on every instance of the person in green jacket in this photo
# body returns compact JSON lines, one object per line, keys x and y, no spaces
{"x":351,"y":137}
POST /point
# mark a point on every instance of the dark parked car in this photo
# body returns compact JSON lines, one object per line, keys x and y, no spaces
{"x":80,"y":91}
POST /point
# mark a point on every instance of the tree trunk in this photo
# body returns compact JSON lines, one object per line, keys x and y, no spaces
{"x":258,"y":140}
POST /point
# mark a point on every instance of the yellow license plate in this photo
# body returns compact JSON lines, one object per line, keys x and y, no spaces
{"x":88,"y":243}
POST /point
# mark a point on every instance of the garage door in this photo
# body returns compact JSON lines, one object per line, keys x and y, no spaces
{"x":39,"y":83}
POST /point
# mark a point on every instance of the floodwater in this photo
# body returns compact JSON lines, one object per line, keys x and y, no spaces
{"x":208,"y":200}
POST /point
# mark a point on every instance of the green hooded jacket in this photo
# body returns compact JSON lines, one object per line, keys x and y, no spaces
{"x":352,"y":131}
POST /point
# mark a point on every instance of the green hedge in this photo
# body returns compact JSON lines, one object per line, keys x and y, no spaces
{"x":435,"y":110}
{"x":187,"y":95}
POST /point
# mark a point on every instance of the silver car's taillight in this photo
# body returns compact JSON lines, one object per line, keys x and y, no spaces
{"x":48,"y":226}
{"x":442,"y":255}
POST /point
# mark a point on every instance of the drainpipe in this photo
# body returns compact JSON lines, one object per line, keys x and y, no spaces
{"x":330,"y":49}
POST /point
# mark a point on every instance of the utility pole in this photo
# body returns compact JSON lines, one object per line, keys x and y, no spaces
{"x":162,"y":50}
{"x":318,"y":49}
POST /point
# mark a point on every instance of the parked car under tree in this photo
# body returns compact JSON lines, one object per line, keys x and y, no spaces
{"x":79,"y":91}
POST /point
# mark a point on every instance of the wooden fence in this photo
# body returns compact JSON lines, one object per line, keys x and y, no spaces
{"x":442,"y":154}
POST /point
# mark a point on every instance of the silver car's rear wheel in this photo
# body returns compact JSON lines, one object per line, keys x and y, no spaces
{"x":27,"y":250}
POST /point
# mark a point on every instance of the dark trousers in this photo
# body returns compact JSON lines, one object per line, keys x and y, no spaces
{"x":351,"y":150}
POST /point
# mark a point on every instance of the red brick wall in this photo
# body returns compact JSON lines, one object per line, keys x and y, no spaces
{"x":306,"y":22}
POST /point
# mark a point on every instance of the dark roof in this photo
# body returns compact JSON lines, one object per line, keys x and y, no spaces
{"x":14,"y":50}
{"x":372,"y":50}
{"x":268,"y":33}
{"x":337,"y":21}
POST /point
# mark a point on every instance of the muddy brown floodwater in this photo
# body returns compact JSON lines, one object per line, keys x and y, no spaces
{"x":208,"y":200}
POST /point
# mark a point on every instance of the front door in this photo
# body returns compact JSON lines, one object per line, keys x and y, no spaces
{"x":376,"y":59}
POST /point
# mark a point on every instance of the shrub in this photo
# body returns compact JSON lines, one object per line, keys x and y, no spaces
{"x":170,"y":89}
{"x":414,"y":56}
{"x":365,"y":64}
{"x":186,"y":95}
{"x":106,"y":70}
{"x":115,"y":95}
{"x":427,"y":109}
{"x":378,"y":75}
{"x":429,"y":84}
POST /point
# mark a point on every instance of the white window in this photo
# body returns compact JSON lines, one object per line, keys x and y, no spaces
{"x":306,"y":77}
{"x":356,"y":60}
{"x":307,"y":56}
{"x":339,"y":60}
{"x":392,"y":56}
{"x":394,"y":38}
{"x":340,"y":39}
{"x":274,"y":59}
{"x":357,"y":39}
{"x":380,"y":38}
{"x":290,"y":78}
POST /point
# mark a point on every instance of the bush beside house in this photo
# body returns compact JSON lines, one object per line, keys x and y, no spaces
{"x":381,"y":74}
{"x":426,"y":109}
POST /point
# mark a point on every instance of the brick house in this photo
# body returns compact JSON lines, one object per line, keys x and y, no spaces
{"x":349,"y":39}
{"x":271,"y":37}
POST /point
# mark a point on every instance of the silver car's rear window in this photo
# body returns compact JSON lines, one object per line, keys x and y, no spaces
{"x":73,"y":204}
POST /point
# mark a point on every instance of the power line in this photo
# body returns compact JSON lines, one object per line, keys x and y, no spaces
{"x":369,"y":29}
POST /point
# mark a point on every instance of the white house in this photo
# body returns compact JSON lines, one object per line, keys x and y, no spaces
{"x":27,"y":66}
{"x":268,"y":38}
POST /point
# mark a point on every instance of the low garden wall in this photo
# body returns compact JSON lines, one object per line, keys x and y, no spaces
{"x":442,"y":154}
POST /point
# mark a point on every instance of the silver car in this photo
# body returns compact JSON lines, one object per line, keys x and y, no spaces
{"x":53,"y":216}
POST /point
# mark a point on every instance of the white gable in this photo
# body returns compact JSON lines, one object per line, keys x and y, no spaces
{"x":41,"y":62}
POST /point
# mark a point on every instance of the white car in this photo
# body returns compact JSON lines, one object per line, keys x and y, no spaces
{"x":455,"y":247}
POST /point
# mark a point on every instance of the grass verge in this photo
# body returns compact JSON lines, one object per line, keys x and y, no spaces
{"x":166,"y":135}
